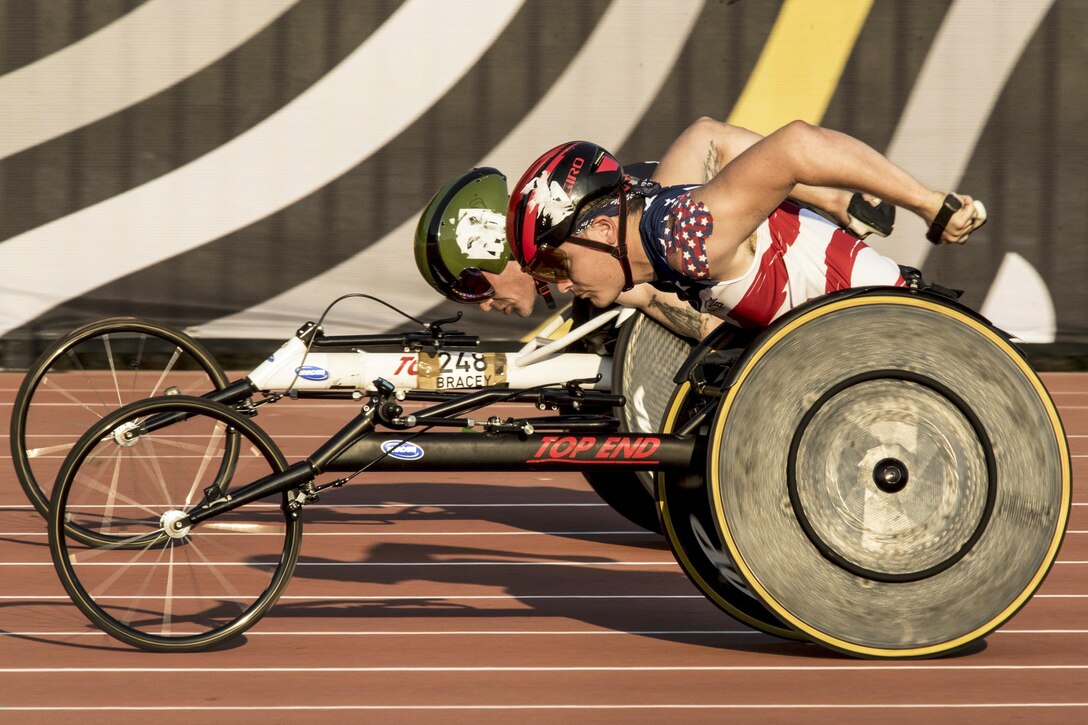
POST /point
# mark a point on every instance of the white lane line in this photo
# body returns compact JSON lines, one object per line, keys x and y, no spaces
{"x":499,"y":633}
{"x":491,"y":708}
{"x":663,"y":562}
{"x":402,"y":598}
{"x":553,"y":668}
{"x":390,"y":534}
{"x":32,"y":599}
{"x":625,"y":707}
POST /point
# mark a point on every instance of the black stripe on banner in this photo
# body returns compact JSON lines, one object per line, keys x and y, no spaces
{"x":33,"y":29}
{"x":198,"y":114}
{"x":708,"y":77}
{"x":880,"y":73}
{"x":363,"y":205}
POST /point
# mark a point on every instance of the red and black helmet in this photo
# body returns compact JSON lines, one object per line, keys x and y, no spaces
{"x":548,"y":199}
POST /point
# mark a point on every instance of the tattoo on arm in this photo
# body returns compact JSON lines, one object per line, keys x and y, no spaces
{"x":677,"y":315}
{"x":710,"y":164}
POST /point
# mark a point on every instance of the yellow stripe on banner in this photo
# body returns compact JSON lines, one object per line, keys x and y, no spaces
{"x":801,"y":63}
{"x":798,"y":70}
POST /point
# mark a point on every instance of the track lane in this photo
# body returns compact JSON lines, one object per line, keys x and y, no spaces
{"x":394,"y":601}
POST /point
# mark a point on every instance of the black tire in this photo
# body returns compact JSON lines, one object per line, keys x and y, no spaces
{"x":89,"y":372}
{"x":156,"y":591}
{"x":646,"y":357}
{"x":899,"y":501}
{"x":688,"y":523}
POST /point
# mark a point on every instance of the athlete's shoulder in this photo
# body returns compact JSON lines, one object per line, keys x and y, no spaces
{"x":663,"y":199}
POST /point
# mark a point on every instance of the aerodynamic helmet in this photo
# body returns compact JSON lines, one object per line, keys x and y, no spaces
{"x":462,"y":233}
{"x":547,"y":201}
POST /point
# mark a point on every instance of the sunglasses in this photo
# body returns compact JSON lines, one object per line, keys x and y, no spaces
{"x":470,"y":287}
{"x":551,"y":264}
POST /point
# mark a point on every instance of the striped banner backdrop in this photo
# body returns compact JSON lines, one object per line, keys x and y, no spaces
{"x":230,"y":167}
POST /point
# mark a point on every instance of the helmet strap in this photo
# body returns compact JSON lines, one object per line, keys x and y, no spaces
{"x":545,"y":291}
{"x":620,"y":250}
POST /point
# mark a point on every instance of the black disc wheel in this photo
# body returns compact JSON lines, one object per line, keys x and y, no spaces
{"x":127,"y":483}
{"x":688,"y":522}
{"x":88,"y":373}
{"x":646,"y":357}
{"x":888,"y":474}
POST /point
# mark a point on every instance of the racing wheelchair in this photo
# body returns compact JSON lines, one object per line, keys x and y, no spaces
{"x":902,"y":500}
{"x":108,"y":363}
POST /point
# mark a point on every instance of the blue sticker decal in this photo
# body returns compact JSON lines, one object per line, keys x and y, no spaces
{"x":404,"y":450}
{"x":312,"y":372}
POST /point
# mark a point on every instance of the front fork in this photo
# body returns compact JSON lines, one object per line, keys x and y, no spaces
{"x":296,"y":475}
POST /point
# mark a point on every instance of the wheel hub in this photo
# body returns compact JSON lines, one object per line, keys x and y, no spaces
{"x":170,"y":524}
{"x":891,"y":475}
{"x":123,"y":435}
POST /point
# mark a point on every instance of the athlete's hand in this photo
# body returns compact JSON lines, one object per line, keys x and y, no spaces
{"x":957,"y":227}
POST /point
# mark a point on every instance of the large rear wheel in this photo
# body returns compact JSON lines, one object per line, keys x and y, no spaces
{"x":888,"y":475}
{"x":686,"y":514}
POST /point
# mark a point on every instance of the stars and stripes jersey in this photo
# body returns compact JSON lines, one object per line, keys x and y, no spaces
{"x":799,"y":255}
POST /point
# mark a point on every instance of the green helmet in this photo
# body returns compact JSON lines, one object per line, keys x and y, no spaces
{"x":462,"y":233}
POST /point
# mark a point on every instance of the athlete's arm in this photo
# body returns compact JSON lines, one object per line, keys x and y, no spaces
{"x":669,"y":310}
{"x":749,"y":188}
{"x":707,"y":146}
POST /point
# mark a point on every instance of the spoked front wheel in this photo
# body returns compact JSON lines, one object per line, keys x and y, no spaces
{"x":143,"y":581}
{"x":88,"y":373}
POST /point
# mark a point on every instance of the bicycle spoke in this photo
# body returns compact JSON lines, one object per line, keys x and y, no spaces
{"x":90,"y":554}
{"x":113,"y":369}
{"x":165,"y":371}
{"x":168,"y":599}
{"x":94,"y":484}
{"x":259,"y":529}
{"x":229,"y":588}
{"x":49,"y":450}
{"x":138,"y":596}
{"x":185,"y":446}
{"x":87,"y":374}
{"x":48,"y":382}
{"x":213,"y":442}
{"x":153,"y":584}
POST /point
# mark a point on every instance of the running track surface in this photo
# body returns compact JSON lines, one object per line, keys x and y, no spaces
{"x":512,"y":597}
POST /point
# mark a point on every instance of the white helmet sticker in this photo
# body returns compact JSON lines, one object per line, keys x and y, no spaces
{"x":481,"y":233}
{"x":548,"y":200}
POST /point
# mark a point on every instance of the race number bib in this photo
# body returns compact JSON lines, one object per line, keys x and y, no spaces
{"x":454,"y":370}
